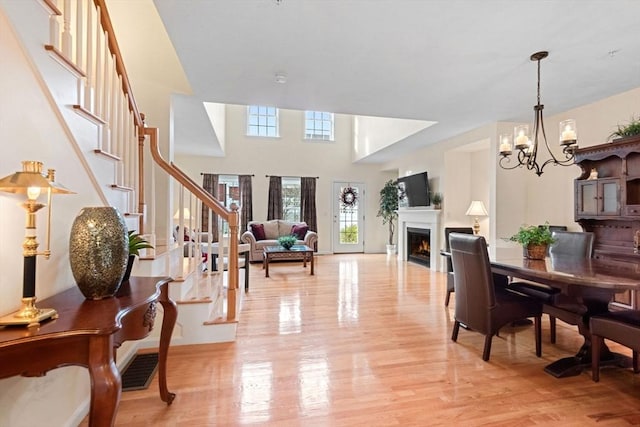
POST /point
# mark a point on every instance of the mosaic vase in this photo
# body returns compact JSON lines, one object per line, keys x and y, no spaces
{"x":98,"y":251}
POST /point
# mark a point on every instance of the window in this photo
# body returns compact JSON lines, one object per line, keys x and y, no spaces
{"x":291,"y":199}
{"x":318,"y":125}
{"x":262,"y":121}
{"x":229,"y":191}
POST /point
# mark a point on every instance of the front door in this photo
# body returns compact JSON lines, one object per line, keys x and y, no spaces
{"x":348,"y":217}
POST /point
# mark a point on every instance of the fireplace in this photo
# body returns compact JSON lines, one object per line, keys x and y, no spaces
{"x":419,"y":245}
{"x":422,"y":219}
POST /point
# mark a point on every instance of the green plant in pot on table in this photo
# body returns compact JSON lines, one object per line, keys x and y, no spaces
{"x":136,"y":243}
{"x":287,"y":241}
{"x":535,"y":240}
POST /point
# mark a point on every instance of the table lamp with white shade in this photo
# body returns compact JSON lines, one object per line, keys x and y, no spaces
{"x":476,"y":209}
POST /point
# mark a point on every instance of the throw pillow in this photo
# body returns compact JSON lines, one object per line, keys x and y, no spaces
{"x":299,"y":231}
{"x":258,"y":231}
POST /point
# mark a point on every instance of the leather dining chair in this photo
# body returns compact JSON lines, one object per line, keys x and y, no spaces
{"x":622,"y":327}
{"x":480,"y":305}
{"x":576,"y":244}
{"x":450,"y":281}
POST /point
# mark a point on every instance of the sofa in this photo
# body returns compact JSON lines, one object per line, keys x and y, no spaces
{"x":265,"y":233}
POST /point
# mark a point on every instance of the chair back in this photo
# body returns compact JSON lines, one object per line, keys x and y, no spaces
{"x":475,"y":293}
{"x":576,"y":244}
{"x":449,"y":230}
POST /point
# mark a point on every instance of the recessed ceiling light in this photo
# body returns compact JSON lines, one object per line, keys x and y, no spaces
{"x":281,"y":78}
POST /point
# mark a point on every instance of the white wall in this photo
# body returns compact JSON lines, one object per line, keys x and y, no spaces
{"x":29,"y":130}
{"x":371,"y":134}
{"x":291,"y":155}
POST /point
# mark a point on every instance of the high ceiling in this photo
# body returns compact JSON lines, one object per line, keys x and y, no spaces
{"x":461,"y":63}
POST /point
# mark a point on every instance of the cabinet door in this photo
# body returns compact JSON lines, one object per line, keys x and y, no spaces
{"x":609,"y":196}
{"x":587,"y":198}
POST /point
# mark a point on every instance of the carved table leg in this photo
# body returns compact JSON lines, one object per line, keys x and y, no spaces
{"x":106,"y":384}
{"x":168,"y":322}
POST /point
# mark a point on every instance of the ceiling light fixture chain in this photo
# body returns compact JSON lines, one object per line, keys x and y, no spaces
{"x":528,"y":150}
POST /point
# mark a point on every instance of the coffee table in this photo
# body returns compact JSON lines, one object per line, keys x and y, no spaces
{"x":295,"y":253}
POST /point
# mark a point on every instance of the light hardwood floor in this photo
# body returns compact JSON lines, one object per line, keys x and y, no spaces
{"x":367,"y":342}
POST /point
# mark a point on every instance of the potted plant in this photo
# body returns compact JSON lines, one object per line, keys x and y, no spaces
{"x":535,"y":240}
{"x":630,"y":129}
{"x":136,"y":243}
{"x":287,"y":241}
{"x":436,"y":199}
{"x":388,"y":210}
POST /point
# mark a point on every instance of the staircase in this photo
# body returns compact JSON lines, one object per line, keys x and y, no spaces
{"x":75,"y":56}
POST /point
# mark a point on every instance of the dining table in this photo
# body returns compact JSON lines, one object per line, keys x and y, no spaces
{"x":591,"y":282}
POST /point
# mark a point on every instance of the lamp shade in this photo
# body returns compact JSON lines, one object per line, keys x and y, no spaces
{"x":186,"y":215}
{"x":476,"y":208}
{"x":31,"y":177}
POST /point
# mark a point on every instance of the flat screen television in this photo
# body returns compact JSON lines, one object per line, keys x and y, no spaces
{"x":413,"y":190}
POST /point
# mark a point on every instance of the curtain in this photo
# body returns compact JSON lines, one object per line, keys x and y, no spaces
{"x":246,"y":202}
{"x":210,"y":183}
{"x":274,"y":206}
{"x":308,"y":202}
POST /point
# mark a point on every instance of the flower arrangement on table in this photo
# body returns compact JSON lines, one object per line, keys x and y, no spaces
{"x":535,"y":239}
{"x":287,"y":241}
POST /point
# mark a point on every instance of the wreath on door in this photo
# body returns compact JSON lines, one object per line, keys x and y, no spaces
{"x":349,"y":197}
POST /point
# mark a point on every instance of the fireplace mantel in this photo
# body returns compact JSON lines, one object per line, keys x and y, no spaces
{"x":419,"y":218}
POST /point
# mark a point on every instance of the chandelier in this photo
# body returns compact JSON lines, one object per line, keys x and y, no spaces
{"x":527,"y":150}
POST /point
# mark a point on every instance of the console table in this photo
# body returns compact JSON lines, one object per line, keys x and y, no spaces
{"x":87,"y":334}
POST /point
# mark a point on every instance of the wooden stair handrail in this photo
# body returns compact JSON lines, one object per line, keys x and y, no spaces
{"x":231,"y":216}
{"x":182,"y":178}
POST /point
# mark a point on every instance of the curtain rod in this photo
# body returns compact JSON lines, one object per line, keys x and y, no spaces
{"x":289,"y":176}
{"x":202,"y":173}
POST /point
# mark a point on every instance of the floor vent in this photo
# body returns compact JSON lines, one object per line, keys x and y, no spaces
{"x":139,"y":372}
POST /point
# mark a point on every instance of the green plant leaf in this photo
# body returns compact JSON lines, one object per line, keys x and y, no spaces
{"x":388,"y":208}
{"x":287,"y":241}
{"x":630,"y":129}
{"x":533,"y":235}
{"x":137,"y":242}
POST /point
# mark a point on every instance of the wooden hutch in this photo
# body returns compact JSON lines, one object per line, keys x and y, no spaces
{"x":607,"y":202}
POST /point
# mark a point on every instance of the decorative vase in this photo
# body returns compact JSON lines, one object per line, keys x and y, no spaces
{"x":391,"y":249}
{"x":98,"y":251}
{"x":536,"y":251}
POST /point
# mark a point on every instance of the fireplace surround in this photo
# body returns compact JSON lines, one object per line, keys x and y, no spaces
{"x":425,"y":219}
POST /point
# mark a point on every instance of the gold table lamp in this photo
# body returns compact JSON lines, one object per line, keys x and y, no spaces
{"x":32,"y":182}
